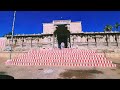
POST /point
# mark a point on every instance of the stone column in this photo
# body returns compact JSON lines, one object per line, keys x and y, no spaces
{"x":15,"y":41}
{"x":107,"y":40}
{"x":116,"y":39}
{"x":22,"y":42}
{"x":95,"y":41}
{"x":74,"y":37}
{"x":53,"y":40}
{"x":40,"y":42}
{"x":30,"y":42}
{"x":37,"y":42}
{"x":26,"y":41}
{"x":9,"y":41}
{"x":70,"y":41}
{"x":87,"y":40}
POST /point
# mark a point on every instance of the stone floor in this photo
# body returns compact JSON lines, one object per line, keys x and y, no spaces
{"x":44,"y":72}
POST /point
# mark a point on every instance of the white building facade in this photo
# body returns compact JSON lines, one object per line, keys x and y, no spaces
{"x":73,"y":27}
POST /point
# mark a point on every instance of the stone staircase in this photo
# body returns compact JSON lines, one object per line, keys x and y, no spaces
{"x":61,"y":57}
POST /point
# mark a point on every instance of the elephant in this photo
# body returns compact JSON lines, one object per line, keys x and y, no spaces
{"x":63,"y":35}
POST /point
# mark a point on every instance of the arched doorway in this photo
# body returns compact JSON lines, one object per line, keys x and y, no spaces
{"x":63,"y":35}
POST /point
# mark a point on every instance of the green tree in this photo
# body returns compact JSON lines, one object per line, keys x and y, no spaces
{"x":117,"y":26}
{"x":9,"y":33}
{"x":108,"y":28}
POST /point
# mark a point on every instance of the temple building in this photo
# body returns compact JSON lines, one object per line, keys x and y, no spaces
{"x":73,"y":27}
{"x":78,"y":38}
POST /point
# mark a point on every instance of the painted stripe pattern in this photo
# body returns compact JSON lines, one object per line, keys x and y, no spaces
{"x":64,"y":57}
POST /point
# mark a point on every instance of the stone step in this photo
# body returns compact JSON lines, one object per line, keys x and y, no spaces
{"x":63,"y":57}
{"x":63,"y":61}
{"x":63,"y":64}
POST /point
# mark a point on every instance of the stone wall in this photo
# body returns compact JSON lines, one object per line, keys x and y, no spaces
{"x":81,"y":41}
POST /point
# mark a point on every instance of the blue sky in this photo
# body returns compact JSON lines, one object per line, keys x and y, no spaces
{"x":29,"y":22}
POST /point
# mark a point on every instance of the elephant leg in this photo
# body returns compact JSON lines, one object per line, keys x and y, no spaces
{"x":66,"y":44}
{"x":59,"y":44}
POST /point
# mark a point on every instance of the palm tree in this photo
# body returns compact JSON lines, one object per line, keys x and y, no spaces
{"x":9,"y":33}
{"x":117,"y":25}
{"x":108,"y":28}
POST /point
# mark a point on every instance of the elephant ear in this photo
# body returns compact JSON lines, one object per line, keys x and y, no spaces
{"x":55,"y":33}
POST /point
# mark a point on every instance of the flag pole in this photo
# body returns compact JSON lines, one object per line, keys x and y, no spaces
{"x":12,"y":33}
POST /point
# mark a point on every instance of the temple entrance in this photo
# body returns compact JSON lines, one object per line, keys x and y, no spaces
{"x":63,"y":35}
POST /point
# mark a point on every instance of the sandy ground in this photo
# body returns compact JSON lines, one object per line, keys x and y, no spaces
{"x":44,"y":72}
